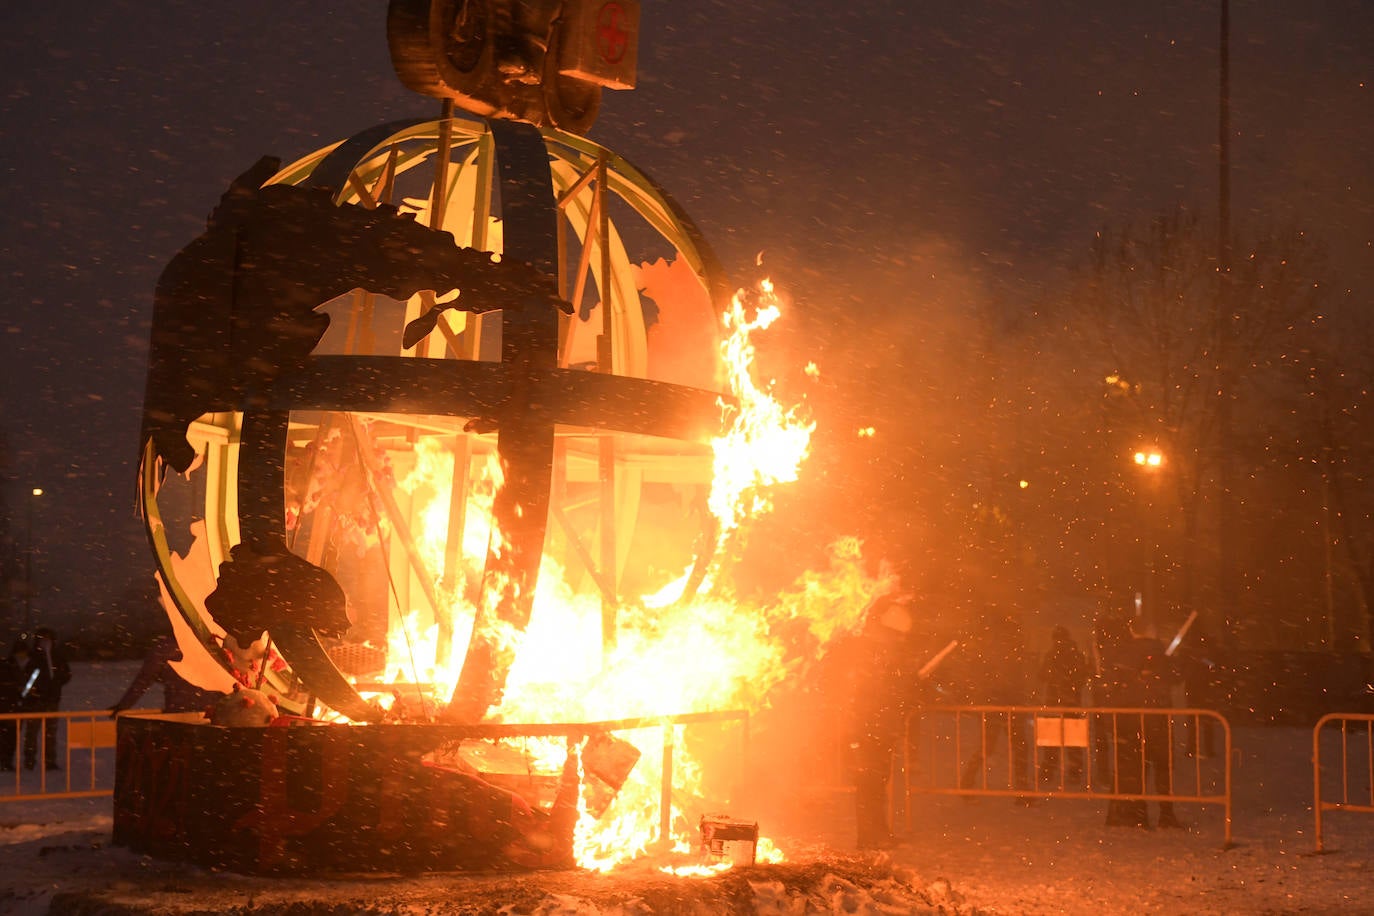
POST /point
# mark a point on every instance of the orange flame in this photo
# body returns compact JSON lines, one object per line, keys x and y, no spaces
{"x":765,"y":443}
{"x":669,"y":656}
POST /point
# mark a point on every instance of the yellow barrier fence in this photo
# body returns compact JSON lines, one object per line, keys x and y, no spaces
{"x":1348,"y":784}
{"x":1130,"y":753}
{"x":56,"y":755}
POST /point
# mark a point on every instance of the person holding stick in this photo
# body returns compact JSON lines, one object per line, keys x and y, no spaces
{"x":880,"y":698}
{"x":46,"y":673}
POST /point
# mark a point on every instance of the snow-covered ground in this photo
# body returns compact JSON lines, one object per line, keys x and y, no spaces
{"x":993,"y":856}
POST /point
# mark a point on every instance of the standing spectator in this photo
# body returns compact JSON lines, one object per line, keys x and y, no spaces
{"x":1064,"y":672}
{"x":880,"y":690}
{"x":1197,"y":655}
{"x":178,"y":694}
{"x":1144,"y":677}
{"x":997,"y":677}
{"x":12,"y":669}
{"x":44,"y":676}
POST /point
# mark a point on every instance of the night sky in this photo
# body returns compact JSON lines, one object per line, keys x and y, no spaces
{"x":889,"y":158}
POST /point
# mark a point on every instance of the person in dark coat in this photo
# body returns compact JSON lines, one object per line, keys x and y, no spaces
{"x":12,"y":669}
{"x":1198,"y":656}
{"x":46,"y":673}
{"x":880,"y":692}
{"x":1064,"y":672}
{"x":1144,"y":677}
{"x":178,"y":695}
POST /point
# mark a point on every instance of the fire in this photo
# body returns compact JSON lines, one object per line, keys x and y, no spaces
{"x":710,"y":652}
{"x":765,"y":443}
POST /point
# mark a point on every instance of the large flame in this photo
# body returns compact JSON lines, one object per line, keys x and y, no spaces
{"x":765,"y":443}
{"x":709,"y":652}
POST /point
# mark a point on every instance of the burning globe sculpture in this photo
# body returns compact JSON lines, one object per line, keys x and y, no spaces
{"x":413,"y":399}
{"x":447,"y":430}
{"x":300,"y":421}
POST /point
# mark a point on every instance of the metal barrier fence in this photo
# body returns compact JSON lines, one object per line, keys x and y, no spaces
{"x":1108,"y":753}
{"x":1351,"y":784}
{"x":44,"y":766}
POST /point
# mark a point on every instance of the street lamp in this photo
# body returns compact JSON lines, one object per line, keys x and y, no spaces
{"x":1150,"y":460}
{"x":28,"y":560}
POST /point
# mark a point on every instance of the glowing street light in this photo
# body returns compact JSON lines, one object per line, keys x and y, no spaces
{"x":1150,"y":460}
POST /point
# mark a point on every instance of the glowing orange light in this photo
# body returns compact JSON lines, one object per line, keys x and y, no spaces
{"x":1149,"y":459}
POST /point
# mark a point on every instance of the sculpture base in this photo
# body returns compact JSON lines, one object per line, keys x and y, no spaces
{"x":322,"y":798}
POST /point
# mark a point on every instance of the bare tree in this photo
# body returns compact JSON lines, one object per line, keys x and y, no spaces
{"x":1143,"y":339}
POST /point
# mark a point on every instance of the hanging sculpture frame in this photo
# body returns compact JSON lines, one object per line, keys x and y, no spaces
{"x":566,"y":186}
